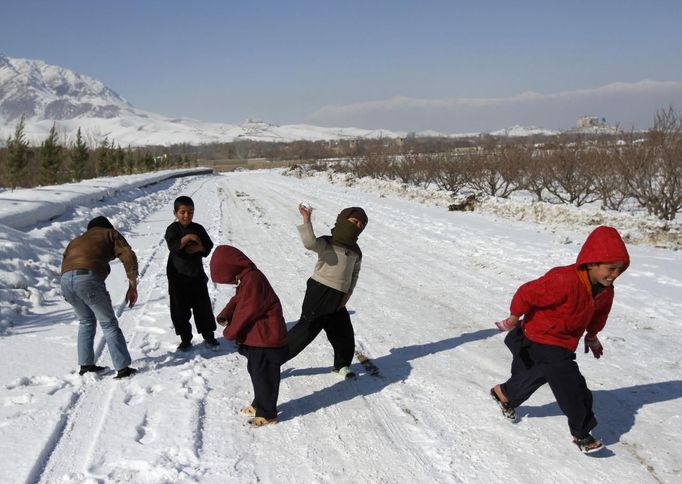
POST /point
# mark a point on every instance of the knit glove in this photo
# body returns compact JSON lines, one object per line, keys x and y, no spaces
{"x":506,"y":324}
{"x":592,"y":344}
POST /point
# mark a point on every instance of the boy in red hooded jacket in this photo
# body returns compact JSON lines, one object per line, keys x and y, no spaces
{"x":253,"y":318}
{"x":557,"y":309}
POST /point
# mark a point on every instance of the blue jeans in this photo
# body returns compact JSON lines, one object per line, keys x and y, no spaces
{"x":87,"y":293}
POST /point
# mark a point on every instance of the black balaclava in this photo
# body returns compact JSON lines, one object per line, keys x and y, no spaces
{"x":346,"y":233}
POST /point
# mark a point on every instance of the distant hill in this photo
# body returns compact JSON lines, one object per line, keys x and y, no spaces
{"x":45,"y":94}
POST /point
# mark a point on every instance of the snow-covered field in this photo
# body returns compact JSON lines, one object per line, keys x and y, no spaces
{"x":432,"y":284}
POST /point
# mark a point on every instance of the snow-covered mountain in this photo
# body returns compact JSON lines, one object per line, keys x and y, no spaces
{"x":45,"y":94}
{"x":521,"y":131}
{"x":41,"y":91}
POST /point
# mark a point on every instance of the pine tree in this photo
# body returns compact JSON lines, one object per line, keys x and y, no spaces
{"x":119,"y":161}
{"x":130,"y":161}
{"x":3,"y":166}
{"x":103,"y":158}
{"x":148,"y":161}
{"x":79,"y":157}
{"x":50,"y":158}
{"x":17,"y":155}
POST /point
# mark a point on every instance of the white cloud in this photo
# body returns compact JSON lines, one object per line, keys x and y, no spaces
{"x":625,"y":103}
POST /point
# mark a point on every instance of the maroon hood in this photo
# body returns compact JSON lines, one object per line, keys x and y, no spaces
{"x":604,"y":244}
{"x":227,"y":263}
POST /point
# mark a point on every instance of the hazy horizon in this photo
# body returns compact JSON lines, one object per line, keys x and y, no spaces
{"x":402,"y":66}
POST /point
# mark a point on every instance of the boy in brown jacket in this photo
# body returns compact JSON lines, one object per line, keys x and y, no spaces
{"x":84,"y":268}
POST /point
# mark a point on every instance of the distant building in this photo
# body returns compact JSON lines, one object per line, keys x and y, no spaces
{"x":591,"y":122}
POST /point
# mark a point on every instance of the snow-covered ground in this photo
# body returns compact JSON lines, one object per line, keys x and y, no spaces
{"x":432,"y":284}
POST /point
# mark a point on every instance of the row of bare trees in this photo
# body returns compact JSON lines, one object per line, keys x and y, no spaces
{"x":640,"y":168}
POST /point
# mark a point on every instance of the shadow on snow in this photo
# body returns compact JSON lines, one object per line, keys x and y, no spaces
{"x":616,"y":409}
{"x":394,"y":367}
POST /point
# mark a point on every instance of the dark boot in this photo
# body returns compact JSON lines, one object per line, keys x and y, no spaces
{"x":125,"y":372}
{"x":91,"y":368}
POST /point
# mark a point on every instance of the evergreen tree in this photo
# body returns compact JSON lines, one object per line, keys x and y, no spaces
{"x":17,"y":155}
{"x":50,"y":158}
{"x":130,"y":161}
{"x":104,"y":158}
{"x":3,"y":165}
{"x":148,"y":161}
{"x":79,"y":157}
{"x":118,"y":159}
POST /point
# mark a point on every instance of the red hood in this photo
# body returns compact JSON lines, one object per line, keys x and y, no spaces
{"x":604,"y":244}
{"x":227,"y":263}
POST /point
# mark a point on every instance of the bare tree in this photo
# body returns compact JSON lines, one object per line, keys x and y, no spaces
{"x":494,"y":172}
{"x":450,"y":173}
{"x":570,"y":179}
{"x":606,"y":171}
{"x":655,"y":167}
{"x":534,"y":174}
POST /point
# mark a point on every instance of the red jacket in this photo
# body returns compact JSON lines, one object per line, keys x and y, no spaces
{"x":254,"y":313}
{"x":558,"y":308}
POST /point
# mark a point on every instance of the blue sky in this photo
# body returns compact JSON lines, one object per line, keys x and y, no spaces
{"x":443,"y":65}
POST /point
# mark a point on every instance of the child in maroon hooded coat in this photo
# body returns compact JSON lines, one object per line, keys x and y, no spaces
{"x":253,"y":318}
{"x":557,"y":309}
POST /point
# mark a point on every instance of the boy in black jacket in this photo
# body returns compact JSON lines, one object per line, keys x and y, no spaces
{"x":189,"y":243}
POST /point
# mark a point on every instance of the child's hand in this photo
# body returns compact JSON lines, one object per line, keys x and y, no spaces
{"x":305,"y":210}
{"x":222,"y":320}
{"x":131,"y":296}
{"x":593,"y":344}
{"x":344,"y":300}
{"x":507,"y":324}
{"x":194,"y":247}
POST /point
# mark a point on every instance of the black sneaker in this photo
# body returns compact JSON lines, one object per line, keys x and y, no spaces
{"x":211,"y":342}
{"x":91,"y":368}
{"x":185,"y":346}
{"x":125,"y":372}
{"x":507,"y":410}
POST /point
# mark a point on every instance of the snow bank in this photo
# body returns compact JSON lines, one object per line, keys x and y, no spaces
{"x":636,"y":228}
{"x":20,"y":209}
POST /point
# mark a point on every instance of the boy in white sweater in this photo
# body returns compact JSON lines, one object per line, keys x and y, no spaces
{"x":331,"y":285}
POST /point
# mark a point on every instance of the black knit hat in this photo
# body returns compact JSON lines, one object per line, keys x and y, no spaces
{"x":100,"y":221}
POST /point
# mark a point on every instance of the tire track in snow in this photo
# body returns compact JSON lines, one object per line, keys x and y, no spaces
{"x":271,"y":202}
{"x":93,"y":402}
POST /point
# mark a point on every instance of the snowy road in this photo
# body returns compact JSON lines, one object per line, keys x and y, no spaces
{"x":431,"y":285}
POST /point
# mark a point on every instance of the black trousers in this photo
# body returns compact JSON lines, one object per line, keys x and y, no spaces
{"x":263,"y":365}
{"x":190,"y":295}
{"x":321,"y":312}
{"x":535,"y":364}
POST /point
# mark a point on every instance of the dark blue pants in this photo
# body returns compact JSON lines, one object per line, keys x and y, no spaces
{"x":263,"y":365}
{"x":535,"y":364}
